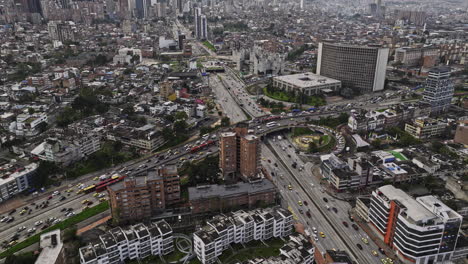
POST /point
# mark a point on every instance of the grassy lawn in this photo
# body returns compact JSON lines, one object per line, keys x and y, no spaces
{"x":148,"y":260}
{"x":253,"y":249}
{"x":299,"y":131}
{"x":87,"y":213}
{"x":398,"y":155}
{"x":329,"y":146}
{"x":174,"y":256}
{"x":287,"y":97}
{"x":209,"y":45}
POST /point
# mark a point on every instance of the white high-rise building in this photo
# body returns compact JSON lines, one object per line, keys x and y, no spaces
{"x":438,"y":91}
{"x":422,"y":230}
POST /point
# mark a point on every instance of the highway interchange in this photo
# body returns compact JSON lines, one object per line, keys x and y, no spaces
{"x":231,"y":96}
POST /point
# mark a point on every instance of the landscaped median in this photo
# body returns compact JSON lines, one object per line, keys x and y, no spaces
{"x":85,"y":214}
{"x":209,"y":45}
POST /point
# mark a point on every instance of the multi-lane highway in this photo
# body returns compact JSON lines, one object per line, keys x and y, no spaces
{"x":306,"y":187}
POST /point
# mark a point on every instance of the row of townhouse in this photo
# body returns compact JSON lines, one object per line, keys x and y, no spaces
{"x":136,"y":242}
{"x":240,"y":227}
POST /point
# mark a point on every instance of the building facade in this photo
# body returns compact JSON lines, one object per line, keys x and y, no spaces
{"x":15,"y":182}
{"x":359,"y":68}
{"x":140,"y":197}
{"x":438,"y":91}
{"x":240,"y":227}
{"x":135,"y":242}
{"x":222,"y":198}
{"x":425,"y":127}
{"x":421,"y":230}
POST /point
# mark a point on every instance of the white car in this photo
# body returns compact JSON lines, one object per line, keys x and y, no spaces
{"x":21,"y":228}
{"x":38,"y":223}
{"x":32,"y":230}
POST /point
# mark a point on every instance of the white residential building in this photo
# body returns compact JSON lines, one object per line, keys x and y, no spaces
{"x":136,"y":242}
{"x":240,"y":227}
{"x":421,"y":230}
{"x":12,"y":183}
{"x":28,"y":125}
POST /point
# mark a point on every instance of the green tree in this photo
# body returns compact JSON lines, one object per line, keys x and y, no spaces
{"x":225,"y":121}
{"x":181,"y":115}
{"x":31,"y":110}
{"x":313,"y":148}
{"x":180,"y":127}
{"x":43,"y":173}
{"x":69,"y":234}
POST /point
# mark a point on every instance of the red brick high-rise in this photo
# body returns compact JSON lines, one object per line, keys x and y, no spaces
{"x":239,"y":154}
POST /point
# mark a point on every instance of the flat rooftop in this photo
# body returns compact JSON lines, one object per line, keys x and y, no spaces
{"x":415,"y":212}
{"x":306,"y":80}
{"x":209,"y":191}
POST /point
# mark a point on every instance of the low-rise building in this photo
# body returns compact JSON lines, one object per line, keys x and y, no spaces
{"x":28,"y":125}
{"x":425,"y":127}
{"x":362,"y":208}
{"x":306,"y":83}
{"x":212,"y":198}
{"x":15,"y":180}
{"x":135,"y":242}
{"x":146,"y":138}
{"x":52,"y":251}
{"x":240,"y":227}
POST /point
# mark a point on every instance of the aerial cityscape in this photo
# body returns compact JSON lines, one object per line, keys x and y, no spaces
{"x":233,"y":131}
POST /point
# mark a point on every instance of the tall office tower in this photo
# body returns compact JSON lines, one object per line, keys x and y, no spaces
{"x":438,"y":91}
{"x":302,"y":4}
{"x":180,"y":6}
{"x":422,"y":230}
{"x":197,"y":22}
{"x":357,"y":67}
{"x":239,"y":154}
{"x":181,"y":41}
{"x":60,"y":31}
{"x":203,"y":27}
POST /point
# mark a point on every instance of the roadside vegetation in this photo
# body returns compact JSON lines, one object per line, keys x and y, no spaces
{"x":292,"y":97}
{"x":85,"y":214}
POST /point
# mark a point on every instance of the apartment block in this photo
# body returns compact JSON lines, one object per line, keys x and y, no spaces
{"x":425,"y":127}
{"x":438,"y":90}
{"x":140,"y":197}
{"x":28,"y":125}
{"x":422,"y":230}
{"x":221,"y":198}
{"x":14,"y":180}
{"x":239,"y":154}
{"x":409,"y":56}
{"x":240,"y":227}
{"x":135,"y":242}
{"x":360,"y":68}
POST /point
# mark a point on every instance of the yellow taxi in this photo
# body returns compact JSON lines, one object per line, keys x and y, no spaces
{"x":389,"y":260}
{"x":85,"y":201}
{"x":69,"y":190}
{"x":12,"y":243}
{"x":95,"y":194}
{"x":96,"y":178}
{"x":289,"y":187}
{"x":322,"y":234}
{"x":365,"y":240}
{"x":102,"y":199}
{"x":79,"y":191}
{"x":299,"y":203}
{"x":374,"y":253}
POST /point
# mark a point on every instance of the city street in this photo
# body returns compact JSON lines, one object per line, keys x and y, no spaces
{"x":308,"y":188}
{"x":226,"y":101}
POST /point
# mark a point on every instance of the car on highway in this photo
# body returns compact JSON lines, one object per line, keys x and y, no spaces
{"x":359,"y":246}
{"x":69,"y":190}
{"x":345,"y":224}
{"x":38,"y":223}
{"x":322,"y":234}
{"x":374,"y":253}
{"x":299,"y":203}
{"x":21,"y":228}
{"x":325,"y":199}
{"x":95,"y":194}
{"x":12,"y":243}
{"x":389,"y":260}
{"x":300,"y":211}
{"x":23,"y":212}
{"x":308,"y":214}
{"x":289,"y":187}
{"x":85,"y":201}
{"x":96,"y":178}
{"x":31,"y":230}
{"x":306,"y":203}
{"x":314,"y":230}
{"x":355,"y":227}
{"x":382,"y":251}
{"x":62,"y":198}
{"x":365,"y":240}
{"x":335,"y":210}
{"x":384,"y":261}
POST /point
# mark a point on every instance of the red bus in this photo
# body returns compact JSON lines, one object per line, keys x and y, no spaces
{"x":202,"y":146}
